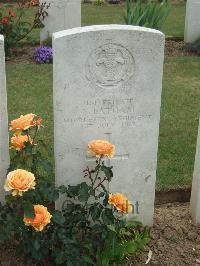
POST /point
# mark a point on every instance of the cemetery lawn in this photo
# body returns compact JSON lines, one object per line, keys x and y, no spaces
{"x":30,"y":90}
{"x":113,"y":14}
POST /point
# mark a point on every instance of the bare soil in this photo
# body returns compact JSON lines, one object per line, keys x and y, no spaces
{"x":176,"y":48}
{"x":175,"y":238}
{"x":25,"y":54}
{"x":22,"y":55}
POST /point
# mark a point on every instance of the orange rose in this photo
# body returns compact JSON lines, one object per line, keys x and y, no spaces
{"x":120,"y":202}
{"x":101,"y":148}
{"x":19,"y":181}
{"x":18,"y":142}
{"x":24,"y":122}
{"x":41,"y":219}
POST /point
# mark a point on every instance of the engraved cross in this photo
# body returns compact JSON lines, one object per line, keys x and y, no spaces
{"x":110,"y":60}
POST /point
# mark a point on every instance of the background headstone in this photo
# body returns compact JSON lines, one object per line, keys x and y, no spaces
{"x":62,"y":15}
{"x":4,"y":146}
{"x":107,"y":85}
{"x":192,"y":21}
{"x":195,"y":194}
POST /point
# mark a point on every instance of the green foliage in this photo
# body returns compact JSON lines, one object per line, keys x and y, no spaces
{"x":116,"y":251}
{"x":86,"y":231}
{"x":99,"y":2}
{"x":33,"y":156}
{"x":15,"y":27}
{"x":150,"y":15}
{"x":47,"y":42}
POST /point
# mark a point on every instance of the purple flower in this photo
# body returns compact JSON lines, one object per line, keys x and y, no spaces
{"x":43,"y":54}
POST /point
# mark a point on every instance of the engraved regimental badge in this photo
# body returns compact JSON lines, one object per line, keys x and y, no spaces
{"x":110,"y":66}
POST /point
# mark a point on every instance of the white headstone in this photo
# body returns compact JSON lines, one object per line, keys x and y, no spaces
{"x":107,"y":85}
{"x":192,"y":21}
{"x":4,"y":146}
{"x":62,"y":15}
{"x":195,"y":193}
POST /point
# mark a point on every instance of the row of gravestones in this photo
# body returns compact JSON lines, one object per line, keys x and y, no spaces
{"x":107,"y":85}
{"x":66,"y":14}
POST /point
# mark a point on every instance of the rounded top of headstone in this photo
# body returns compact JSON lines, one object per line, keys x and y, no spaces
{"x":94,"y":28}
{"x":193,"y":1}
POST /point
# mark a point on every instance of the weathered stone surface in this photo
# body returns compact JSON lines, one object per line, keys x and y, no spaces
{"x":4,"y":149}
{"x":107,"y":85}
{"x":192,"y":21}
{"x":195,"y":193}
{"x":62,"y":15}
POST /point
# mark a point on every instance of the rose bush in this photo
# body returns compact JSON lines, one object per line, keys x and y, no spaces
{"x":90,"y":228}
{"x":13,"y":24}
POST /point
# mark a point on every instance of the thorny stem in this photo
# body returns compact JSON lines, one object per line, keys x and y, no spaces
{"x":32,"y":146}
{"x":98,"y":170}
{"x":88,"y":173}
{"x":104,"y":179}
{"x":28,"y":135}
{"x":36,"y":130}
{"x":90,"y":177}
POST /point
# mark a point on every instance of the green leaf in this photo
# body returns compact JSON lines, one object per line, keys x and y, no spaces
{"x":105,"y":201}
{"x":47,"y":166}
{"x":84,"y":192}
{"x":125,"y":232}
{"x":97,"y":167}
{"x":101,"y":194}
{"x":62,"y":189}
{"x":88,"y":260}
{"x":111,"y":228}
{"x":95,"y":211}
{"x":60,"y":258}
{"x":133,"y":224}
{"x":29,"y":210}
{"x":107,"y":171}
{"x":107,"y":216}
{"x":73,"y":191}
{"x":36,"y":244}
{"x":58,"y":218}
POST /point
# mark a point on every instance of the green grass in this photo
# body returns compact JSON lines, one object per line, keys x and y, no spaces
{"x":175,"y":23}
{"x":113,"y":14}
{"x":179,"y":121}
{"x":30,"y":90}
